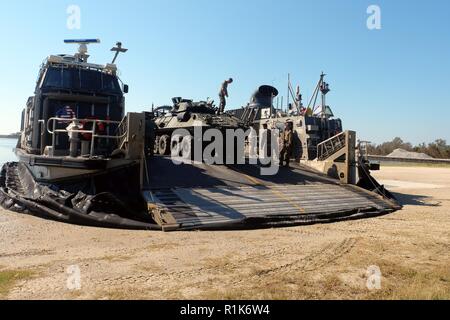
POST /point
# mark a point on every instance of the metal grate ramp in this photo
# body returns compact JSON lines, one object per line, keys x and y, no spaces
{"x":225,"y":207}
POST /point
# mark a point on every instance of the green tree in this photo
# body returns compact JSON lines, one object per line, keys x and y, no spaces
{"x":438,"y":149}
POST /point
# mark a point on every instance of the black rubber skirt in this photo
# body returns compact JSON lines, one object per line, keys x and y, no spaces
{"x":111,"y":200}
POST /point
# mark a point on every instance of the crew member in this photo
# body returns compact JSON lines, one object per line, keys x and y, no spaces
{"x":223,"y":93}
{"x":288,"y":144}
{"x":65,"y":116}
{"x":265,"y":147}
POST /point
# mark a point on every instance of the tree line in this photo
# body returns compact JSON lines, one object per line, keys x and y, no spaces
{"x":439,"y":149}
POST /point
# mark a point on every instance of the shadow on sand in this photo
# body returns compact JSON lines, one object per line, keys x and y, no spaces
{"x":416,"y":200}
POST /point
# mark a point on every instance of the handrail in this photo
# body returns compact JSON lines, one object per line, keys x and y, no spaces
{"x":122,"y":128}
{"x":332,"y":138}
{"x":79,"y":120}
{"x":330,"y":146}
{"x":92,"y":132}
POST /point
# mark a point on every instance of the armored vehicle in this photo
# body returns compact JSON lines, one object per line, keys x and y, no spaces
{"x":188,"y":115}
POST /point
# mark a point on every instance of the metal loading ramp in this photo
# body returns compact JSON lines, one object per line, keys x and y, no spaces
{"x":224,"y":197}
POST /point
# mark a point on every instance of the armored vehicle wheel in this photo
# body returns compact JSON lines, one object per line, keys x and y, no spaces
{"x":164,"y":145}
{"x":187,"y":147}
{"x":182,"y":146}
{"x":175,"y":145}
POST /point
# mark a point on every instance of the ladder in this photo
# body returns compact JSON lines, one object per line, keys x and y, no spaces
{"x":329,"y":147}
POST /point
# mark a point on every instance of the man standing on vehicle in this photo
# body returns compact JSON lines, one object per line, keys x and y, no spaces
{"x":223,"y":94}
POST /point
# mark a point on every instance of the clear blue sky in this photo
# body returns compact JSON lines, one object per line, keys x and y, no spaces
{"x":385,"y":83}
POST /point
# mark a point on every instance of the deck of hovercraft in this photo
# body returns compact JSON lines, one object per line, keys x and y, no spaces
{"x":199,"y":196}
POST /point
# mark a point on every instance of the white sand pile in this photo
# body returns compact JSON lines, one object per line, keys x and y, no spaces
{"x":400,"y":153}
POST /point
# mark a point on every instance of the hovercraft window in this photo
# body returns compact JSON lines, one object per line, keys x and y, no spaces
{"x":54,"y":78}
{"x":90,"y":80}
{"x":76,"y":79}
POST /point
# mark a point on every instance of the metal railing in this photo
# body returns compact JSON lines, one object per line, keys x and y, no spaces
{"x":329,"y":147}
{"x":122,"y":131}
{"x":52,"y":122}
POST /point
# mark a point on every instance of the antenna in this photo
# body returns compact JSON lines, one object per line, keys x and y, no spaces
{"x":289,"y":83}
{"x":319,"y":88}
{"x":324,"y":89}
{"x":82,"y":55}
{"x":296,"y":97}
{"x":118,"y":49}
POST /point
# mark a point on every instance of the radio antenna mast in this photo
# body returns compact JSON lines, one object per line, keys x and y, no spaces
{"x":118,"y":49}
{"x":324,"y":89}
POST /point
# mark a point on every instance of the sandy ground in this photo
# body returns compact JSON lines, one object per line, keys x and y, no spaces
{"x":411,"y":248}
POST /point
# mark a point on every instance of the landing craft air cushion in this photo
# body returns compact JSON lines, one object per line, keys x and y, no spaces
{"x":77,"y":143}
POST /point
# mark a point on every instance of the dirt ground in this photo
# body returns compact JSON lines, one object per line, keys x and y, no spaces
{"x":39,"y":259}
